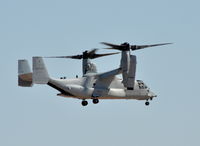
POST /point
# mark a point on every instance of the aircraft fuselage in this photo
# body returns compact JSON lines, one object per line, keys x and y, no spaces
{"x":89,"y":88}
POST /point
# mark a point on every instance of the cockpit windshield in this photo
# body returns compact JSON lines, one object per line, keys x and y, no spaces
{"x":141,"y":84}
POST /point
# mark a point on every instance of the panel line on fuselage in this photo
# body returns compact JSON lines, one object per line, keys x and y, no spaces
{"x":59,"y":89}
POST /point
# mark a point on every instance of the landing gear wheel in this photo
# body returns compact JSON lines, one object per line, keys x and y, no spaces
{"x":95,"y":101}
{"x":146,"y":103}
{"x":84,"y":103}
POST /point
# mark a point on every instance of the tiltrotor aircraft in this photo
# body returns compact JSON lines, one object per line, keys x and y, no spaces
{"x":92,"y":85}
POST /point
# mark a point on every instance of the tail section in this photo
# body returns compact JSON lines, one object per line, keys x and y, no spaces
{"x":40,"y":74}
{"x":24,"y":74}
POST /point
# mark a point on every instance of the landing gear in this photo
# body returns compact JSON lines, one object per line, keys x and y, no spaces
{"x":146,"y":103}
{"x":84,"y":103}
{"x":95,"y":101}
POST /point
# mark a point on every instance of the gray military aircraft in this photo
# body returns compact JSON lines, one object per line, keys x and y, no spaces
{"x":92,"y":85}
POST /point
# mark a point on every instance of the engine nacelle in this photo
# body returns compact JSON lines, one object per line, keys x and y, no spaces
{"x":128,"y":65}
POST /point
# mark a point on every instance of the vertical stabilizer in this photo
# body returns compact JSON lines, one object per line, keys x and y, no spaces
{"x":40,"y":74}
{"x":24,"y":74}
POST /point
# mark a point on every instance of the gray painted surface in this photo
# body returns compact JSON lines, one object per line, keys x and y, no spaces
{"x":24,"y":74}
{"x":92,"y":85}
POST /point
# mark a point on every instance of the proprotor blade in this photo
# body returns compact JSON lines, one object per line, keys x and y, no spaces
{"x":126,"y":47}
{"x":137,"y":47}
{"x":93,"y":51}
{"x":113,"y":46}
{"x":89,"y":54}
{"x":72,"y":57}
{"x":85,"y":55}
{"x":101,"y":55}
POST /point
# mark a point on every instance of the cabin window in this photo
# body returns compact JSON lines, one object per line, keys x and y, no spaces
{"x":94,"y":85}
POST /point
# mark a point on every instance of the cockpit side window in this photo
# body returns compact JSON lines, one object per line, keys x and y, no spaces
{"x":141,"y":84}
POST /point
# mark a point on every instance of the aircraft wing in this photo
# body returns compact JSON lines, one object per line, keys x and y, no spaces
{"x":102,"y":84}
{"x":110,"y":73}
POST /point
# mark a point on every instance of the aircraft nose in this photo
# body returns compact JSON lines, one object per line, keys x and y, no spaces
{"x":151,"y":94}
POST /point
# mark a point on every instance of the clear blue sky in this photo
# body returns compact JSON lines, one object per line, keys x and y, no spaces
{"x":37,"y":117}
